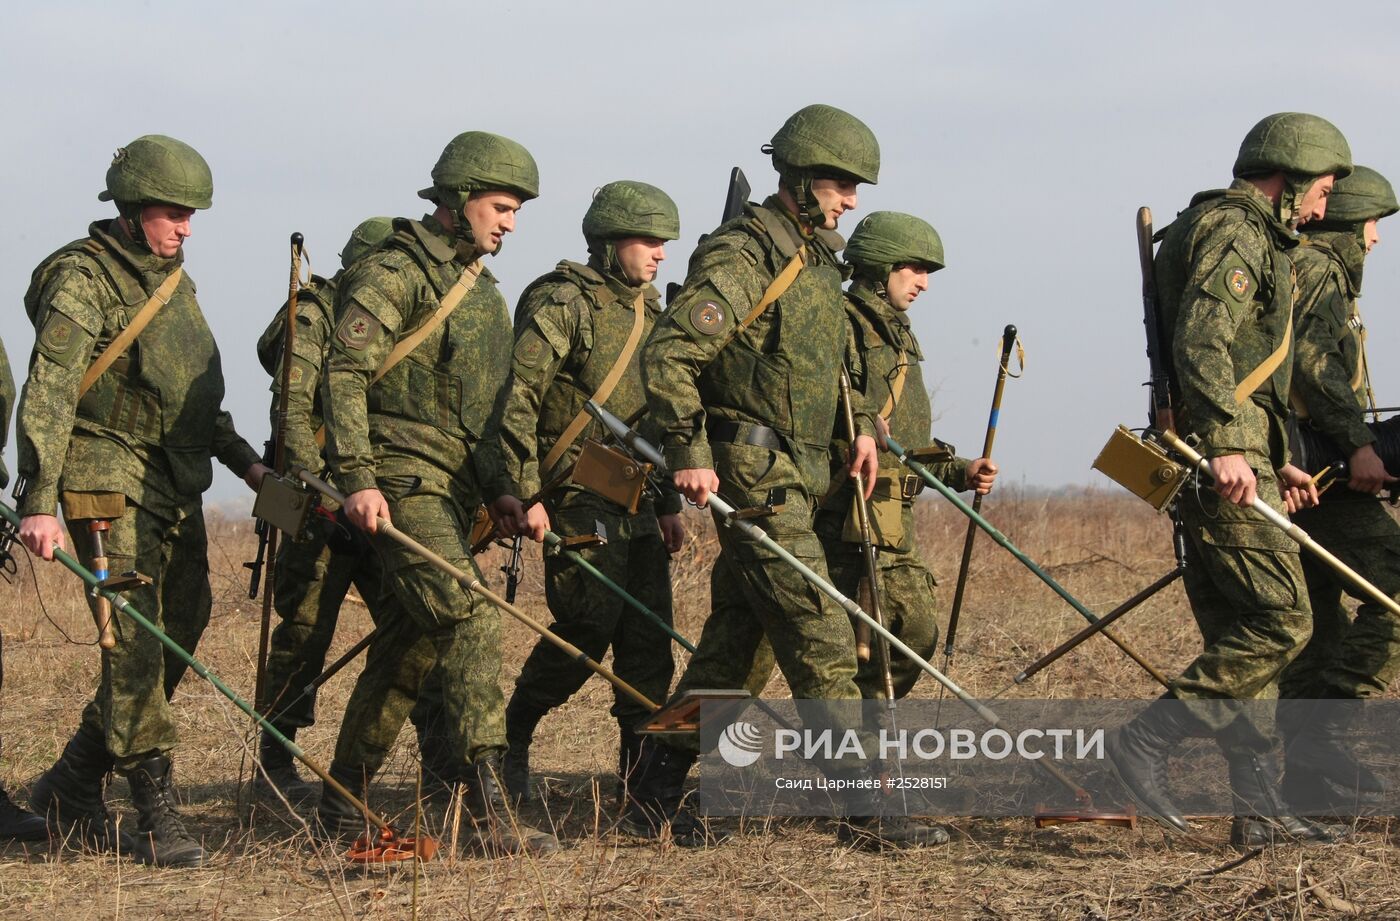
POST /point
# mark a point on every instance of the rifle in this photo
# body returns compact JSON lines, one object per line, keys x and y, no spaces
{"x":737,"y":195}
{"x":264,"y":532}
{"x":279,"y":463}
{"x":1160,"y":412}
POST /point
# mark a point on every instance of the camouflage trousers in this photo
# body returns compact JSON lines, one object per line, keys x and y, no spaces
{"x":1245,"y":583}
{"x":755,"y":594}
{"x":593,"y":618}
{"x":132,"y":707}
{"x":1349,"y":657}
{"x":427,"y":619}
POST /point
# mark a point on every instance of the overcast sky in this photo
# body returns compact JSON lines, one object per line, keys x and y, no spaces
{"x":1027,"y":133}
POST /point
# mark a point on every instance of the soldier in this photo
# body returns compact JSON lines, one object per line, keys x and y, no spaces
{"x":741,"y":375}
{"x":892,"y":256}
{"x":1345,"y":658}
{"x":1226,"y":290}
{"x":16,"y":824}
{"x":422,"y":345}
{"x":577,"y":335}
{"x":118,"y":421}
{"x":313,"y":576}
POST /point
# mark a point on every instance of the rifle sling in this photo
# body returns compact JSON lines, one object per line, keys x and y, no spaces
{"x":143,"y":317}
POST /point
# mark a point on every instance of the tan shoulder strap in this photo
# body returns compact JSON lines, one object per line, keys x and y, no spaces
{"x":896,"y":388}
{"x":605,"y":389}
{"x":1256,"y":378}
{"x":143,"y":317}
{"x":776,"y":289}
{"x":449,"y":303}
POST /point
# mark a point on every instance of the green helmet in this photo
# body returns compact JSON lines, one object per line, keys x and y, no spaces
{"x":156,"y":168}
{"x":885,"y":239}
{"x":1363,"y":196}
{"x":631,"y":209}
{"x":1294,"y":143}
{"x":368,"y":234}
{"x":818,"y":140}
{"x":476,"y":161}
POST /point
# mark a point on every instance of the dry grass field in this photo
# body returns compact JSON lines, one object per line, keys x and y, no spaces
{"x":263,"y":865}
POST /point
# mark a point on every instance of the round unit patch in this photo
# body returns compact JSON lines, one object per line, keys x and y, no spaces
{"x":707,"y":317}
{"x":1239,"y":282}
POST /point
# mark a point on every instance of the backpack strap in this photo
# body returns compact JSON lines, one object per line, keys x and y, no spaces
{"x":123,"y":341}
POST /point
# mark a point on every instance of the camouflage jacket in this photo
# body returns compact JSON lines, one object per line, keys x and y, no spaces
{"x":1226,"y":291}
{"x":315,"y":322}
{"x":7,"y":405}
{"x":571,"y":326}
{"x":782,"y":372}
{"x":1328,"y":377}
{"x":149,"y":425}
{"x":883,"y":343}
{"x":424,"y":418}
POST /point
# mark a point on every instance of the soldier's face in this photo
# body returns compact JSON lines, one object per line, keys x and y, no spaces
{"x":906,"y":282}
{"x":1371,"y":234}
{"x":165,"y":227}
{"x":491,"y":216}
{"x":836,"y":197}
{"x":1313,"y":207}
{"x":640,"y":257}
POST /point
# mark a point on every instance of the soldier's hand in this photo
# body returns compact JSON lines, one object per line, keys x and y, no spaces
{"x":40,"y":534}
{"x":981,"y":474}
{"x":254,"y":476}
{"x":672,"y":532}
{"x":882,"y":432}
{"x":1367,"y":472}
{"x":1298,"y":489}
{"x":508,"y":513}
{"x":365,"y":507}
{"x":696,"y":484}
{"x":865,"y":461}
{"x":1234,"y":479}
{"x":536,"y":522}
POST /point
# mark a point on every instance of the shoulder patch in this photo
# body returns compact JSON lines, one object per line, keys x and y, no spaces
{"x":61,"y":338}
{"x":1238,"y":282}
{"x":530,"y":349}
{"x":707,"y":317}
{"x":357,"y":328}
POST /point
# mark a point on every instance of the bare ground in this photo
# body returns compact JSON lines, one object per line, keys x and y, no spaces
{"x":263,"y":865}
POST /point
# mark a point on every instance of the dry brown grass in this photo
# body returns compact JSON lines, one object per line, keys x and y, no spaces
{"x":1103,"y":547}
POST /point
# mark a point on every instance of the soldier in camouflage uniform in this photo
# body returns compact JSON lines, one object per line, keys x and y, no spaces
{"x":1345,"y":658}
{"x":312,"y":577}
{"x":892,"y":256}
{"x":577,"y":328}
{"x":742,"y":375}
{"x":1226,"y":290}
{"x":130,"y":446}
{"x":402,"y":444}
{"x":16,"y":824}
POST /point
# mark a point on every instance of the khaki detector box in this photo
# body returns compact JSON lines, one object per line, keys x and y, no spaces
{"x":1141,"y":467}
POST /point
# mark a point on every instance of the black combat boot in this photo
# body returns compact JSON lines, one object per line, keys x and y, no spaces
{"x":70,"y":795}
{"x":1138,"y":754}
{"x":657,"y":793}
{"x":497,"y":830}
{"x":161,"y":838}
{"x":1261,"y":815}
{"x":338,"y":819}
{"x":18,"y":824}
{"x":521,"y":720}
{"x":1321,"y":772}
{"x":864,"y":827}
{"x":629,"y":756}
{"x":279,"y":771}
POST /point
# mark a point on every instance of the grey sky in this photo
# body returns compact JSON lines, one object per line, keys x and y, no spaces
{"x":1027,"y":133}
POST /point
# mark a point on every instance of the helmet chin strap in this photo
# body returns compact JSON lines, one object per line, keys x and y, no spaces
{"x":1295,"y":189}
{"x":131,"y":213}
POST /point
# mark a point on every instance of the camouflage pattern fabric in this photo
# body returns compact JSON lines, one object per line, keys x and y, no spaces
{"x":132,"y":707}
{"x":140,"y":441}
{"x":1226,"y":291}
{"x":7,"y":405}
{"x":150,"y":424}
{"x":782,"y":372}
{"x":1346,"y":657}
{"x":315,"y":323}
{"x":413,"y":436}
{"x":571,"y":327}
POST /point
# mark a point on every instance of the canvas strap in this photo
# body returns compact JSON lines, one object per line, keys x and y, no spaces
{"x":143,"y":317}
